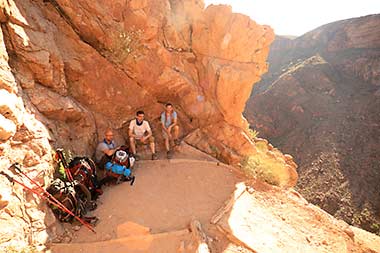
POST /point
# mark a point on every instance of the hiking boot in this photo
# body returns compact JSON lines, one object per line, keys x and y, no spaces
{"x":177,"y":142}
{"x":154,"y":156}
{"x":169,"y":154}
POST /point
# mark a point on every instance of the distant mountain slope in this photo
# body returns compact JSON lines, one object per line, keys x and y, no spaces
{"x":320,"y":102}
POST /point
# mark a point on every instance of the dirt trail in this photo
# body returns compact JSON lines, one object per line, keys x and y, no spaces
{"x":165,"y":197}
{"x":237,"y":217}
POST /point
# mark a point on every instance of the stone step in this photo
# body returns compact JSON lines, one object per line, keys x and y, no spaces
{"x":173,"y":241}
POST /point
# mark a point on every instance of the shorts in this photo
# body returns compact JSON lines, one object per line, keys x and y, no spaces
{"x":150,"y":140}
{"x":165,"y":134}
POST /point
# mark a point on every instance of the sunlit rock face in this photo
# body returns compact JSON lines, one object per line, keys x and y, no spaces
{"x":93,"y":64}
{"x":320,"y":103}
{"x":70,"y":69}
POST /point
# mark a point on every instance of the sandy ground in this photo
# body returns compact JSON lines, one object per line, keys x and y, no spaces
{"x":165,"y":197}
{"x":154,"y":215}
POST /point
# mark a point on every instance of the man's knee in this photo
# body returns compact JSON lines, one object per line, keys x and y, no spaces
{"x":176,"y":128}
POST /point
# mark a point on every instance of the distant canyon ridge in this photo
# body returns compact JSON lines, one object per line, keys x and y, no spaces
{"x":320,"y":102}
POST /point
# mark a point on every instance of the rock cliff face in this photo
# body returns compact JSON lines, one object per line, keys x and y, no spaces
{"x":320,"y":102}
{"x":93,"y":64}
{"x":70,"y":69}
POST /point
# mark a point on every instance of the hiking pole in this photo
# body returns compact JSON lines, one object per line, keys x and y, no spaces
{"x":50,"y":197}
{"x":13,"y":180}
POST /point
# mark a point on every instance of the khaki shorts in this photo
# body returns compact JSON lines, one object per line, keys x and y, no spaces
{"x":150,"y":140}
{"x":165,"y":134}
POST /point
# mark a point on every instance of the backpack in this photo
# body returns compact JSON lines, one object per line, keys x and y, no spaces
{"x":119,"y":168}
{"x":74,"y":196}
{"x":83,"y":170}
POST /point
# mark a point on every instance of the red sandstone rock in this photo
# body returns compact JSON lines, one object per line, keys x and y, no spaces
{"x":73,"y":68}
{"x":108,"y":57}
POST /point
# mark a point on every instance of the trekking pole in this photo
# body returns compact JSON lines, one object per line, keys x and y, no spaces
{"x":13,"y":180}
{"x":51,"y":198}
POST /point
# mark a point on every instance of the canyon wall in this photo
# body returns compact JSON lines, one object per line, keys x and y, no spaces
{"x":71,"y":69}
{"x":320,"y":102}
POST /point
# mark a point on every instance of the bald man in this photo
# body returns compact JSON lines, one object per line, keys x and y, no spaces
{"x":105,"y":149}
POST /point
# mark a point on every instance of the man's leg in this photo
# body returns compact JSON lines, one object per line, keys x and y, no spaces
{"x":151,"y":144}
{"x":176,"y":134}
{"x":132,"y":143}
{"x":152,"y":148}
{"x":166,"y":139}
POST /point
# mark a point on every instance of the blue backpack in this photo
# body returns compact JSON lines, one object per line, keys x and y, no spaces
{"x":118,"y":169}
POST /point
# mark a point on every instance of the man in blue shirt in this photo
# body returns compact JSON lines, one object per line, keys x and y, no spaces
{"x":170,"y":128}
{"x":105,"y":149}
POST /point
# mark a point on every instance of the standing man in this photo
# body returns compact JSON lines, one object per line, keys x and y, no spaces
{"x":105,"y":149}
{"x":139,"y":131}
{"x":170,"y":128}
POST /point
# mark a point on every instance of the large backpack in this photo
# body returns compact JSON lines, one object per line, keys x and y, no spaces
{"x":119,"y":169}
{"x":74,"y":196}
{"x":83,"y":169}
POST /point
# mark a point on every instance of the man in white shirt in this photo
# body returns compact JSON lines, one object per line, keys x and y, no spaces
{"x":139,"y":130}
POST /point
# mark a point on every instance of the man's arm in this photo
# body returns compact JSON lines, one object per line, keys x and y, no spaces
{"x":174,"y":119}
{"x":164,"y":127}
{"x":130,"y":131}
{"x":149,"y":130}
{"x":163,"y":122}
{"x":109,"y":152}
{"x":106,"y":150}
{"x":149,"y":134}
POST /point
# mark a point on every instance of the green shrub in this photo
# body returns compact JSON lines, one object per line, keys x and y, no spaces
{"x":13,"y":249}
{"x":260,"y":167}
{"x":253,"y":134}
{"x":125,"y":44}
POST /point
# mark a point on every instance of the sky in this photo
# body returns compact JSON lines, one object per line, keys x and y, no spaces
{"x":296,"y":17}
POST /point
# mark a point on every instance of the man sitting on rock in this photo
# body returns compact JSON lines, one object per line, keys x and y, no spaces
{"x":170,"y":128}
{"x":139,"y":131}
{"x":105,"y":149}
